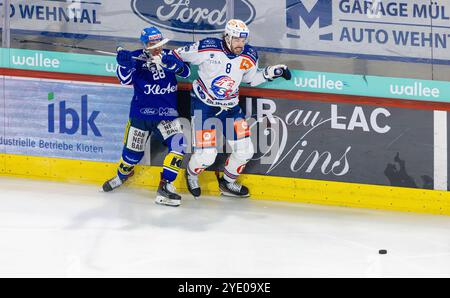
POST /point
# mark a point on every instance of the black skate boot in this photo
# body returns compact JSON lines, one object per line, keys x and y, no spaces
{"x":166,"y":194}
{"x":192,"y":184}
{"x":232,"y":189}
{"x":115,"y":182}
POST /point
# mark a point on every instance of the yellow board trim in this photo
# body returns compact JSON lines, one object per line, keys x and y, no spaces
{"x":261,"y":187}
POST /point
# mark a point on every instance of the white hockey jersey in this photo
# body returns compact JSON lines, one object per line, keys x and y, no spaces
{"x":220,"y":71}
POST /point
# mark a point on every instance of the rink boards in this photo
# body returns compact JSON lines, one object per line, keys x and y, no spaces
{"x":334,"y":150}
{"x":262,"y":187}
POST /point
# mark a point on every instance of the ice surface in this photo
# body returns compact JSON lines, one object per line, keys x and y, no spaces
{"x":61,"y":229}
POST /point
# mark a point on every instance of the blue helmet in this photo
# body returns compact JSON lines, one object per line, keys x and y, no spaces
{"x":151,"y":34}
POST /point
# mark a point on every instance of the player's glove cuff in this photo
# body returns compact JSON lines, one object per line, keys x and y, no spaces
{"x":172,"y":64}
{"x":276,"y":71}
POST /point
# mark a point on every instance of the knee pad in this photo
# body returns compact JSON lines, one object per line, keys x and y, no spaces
{"x":242,"y":150}
{"x":134,"y":144}
{"x":201,"y":159}
{"x":206,"y":156}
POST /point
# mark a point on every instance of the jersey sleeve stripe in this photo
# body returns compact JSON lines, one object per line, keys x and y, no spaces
{"x":209,"y":50}
{"x":124,"y":79}
{"x":178,"y":56}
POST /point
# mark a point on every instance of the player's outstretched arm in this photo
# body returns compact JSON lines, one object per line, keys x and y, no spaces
{"x":255,"y":76}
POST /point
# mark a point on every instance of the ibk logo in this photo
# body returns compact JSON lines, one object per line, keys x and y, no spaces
{"x":301,"y":13}
{"x":71,"y":120}
{"x":199,"y":16}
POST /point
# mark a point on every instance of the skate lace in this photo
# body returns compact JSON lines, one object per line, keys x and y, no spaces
{"x":170,"y":187}
{"x":115,"y":182}
{"x":234,"y":186}
{"x":193,"y":182}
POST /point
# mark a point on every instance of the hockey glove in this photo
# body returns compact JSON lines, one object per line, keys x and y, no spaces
{"x":125,"y":59}
{"x":276,"y":71}
{"x":172,"y":63}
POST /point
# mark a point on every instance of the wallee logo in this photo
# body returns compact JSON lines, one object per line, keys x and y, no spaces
{"x":188,"y":16}
{"x":298,"y":16}
{"x":111,"y":67}
{"x":72,"y":125}
{"x":37,"y":60}
{"x":417,"y":89}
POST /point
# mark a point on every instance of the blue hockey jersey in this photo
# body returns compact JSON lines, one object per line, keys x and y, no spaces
{"x":155,"y":90}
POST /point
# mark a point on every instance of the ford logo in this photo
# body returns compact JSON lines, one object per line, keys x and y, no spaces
{"x":189,"y":16}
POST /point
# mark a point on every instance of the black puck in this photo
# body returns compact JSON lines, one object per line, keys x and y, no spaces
{"x":382,"y":251}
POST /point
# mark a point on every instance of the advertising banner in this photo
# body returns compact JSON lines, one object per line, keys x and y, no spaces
{"x":309,"y":81}
{"x":58,"y":119}
{"x":2,"y":113}
{"x":292,"y":138}
{"x":343,"y":142}
{"x":336,"y":142}
{"x":415,"y":30}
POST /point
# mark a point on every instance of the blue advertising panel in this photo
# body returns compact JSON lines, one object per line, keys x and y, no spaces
{"x":58,"y":119}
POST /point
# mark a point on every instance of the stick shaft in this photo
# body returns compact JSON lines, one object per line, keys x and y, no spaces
{"x":77,"y":47}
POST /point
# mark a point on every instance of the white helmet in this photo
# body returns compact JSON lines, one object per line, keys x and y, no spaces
{"x":235,"y":28}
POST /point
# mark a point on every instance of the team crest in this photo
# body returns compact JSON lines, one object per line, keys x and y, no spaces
{"x":222,"y":87}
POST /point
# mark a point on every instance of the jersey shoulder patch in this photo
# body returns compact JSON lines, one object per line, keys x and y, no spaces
{"x":209,"y":44}
{"x":250,"y":52}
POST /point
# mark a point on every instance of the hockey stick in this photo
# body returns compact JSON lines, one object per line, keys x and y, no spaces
{"x":58,"y":44}
{"x":159,"y":44}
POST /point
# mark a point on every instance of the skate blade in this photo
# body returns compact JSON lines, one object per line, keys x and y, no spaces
{"x":195,"y":197}
{"x":230,"y":195}
{"x":167,"y":202}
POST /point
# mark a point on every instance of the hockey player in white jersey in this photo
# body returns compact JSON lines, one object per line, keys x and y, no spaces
{"x":223,"y":65}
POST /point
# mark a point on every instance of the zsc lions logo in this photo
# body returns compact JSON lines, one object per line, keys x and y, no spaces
{"x":222,"y":87}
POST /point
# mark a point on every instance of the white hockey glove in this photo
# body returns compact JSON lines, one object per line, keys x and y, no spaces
{"x":155,"y":62}
{"x":276,"y":71}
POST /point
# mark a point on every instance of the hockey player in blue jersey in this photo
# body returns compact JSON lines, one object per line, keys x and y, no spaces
{"x":152,"y":71}
{"x":223,"y":65}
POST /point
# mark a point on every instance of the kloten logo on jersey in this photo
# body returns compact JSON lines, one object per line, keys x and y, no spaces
{"x":201,"y":16}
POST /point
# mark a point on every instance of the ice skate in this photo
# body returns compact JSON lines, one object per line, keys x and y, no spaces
{"x":166,"y":194}
{"x":193,"y":185}
{"x":232,"y":189}
{"x":115,"y":182}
